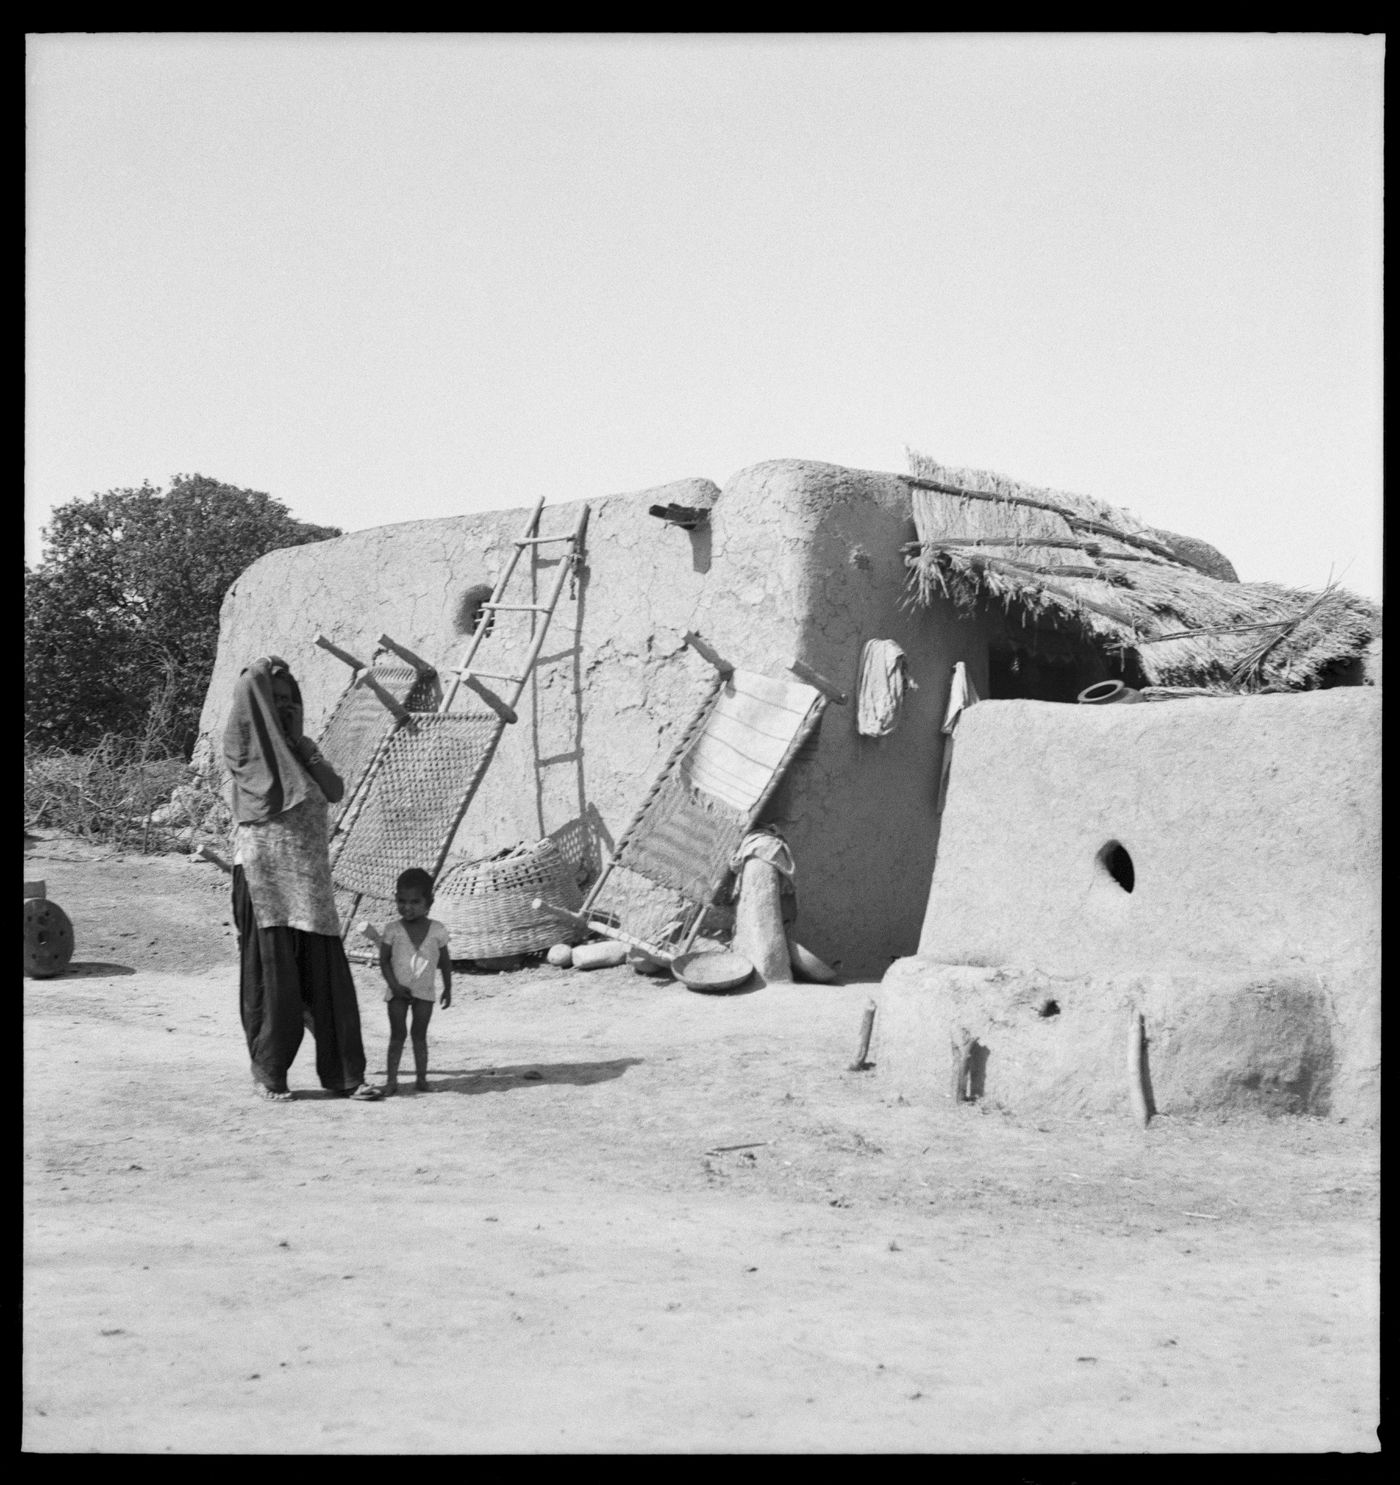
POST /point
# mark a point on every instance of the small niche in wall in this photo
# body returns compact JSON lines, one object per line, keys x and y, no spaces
{"x":470,"y":613}
{"x":1116,"y":861}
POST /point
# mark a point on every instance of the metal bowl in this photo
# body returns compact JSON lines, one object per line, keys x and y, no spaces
{"x":712,"y":969}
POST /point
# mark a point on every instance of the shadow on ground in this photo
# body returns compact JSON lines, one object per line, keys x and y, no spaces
{"x":92,"y":969}
{"x":525,"y":1075}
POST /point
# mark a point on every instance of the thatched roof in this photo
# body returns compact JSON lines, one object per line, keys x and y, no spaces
{"x":1071,"y":562}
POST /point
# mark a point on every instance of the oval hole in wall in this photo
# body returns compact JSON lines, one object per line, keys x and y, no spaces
{"x":1118,"y":864}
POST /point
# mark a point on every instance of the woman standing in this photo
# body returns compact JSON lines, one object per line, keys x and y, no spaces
{"x":293,"y":970}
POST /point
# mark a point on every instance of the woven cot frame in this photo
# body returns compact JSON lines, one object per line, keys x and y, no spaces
{"x":672,"y":862}
{"x":360,"y":724}
{"x":412,"y":799}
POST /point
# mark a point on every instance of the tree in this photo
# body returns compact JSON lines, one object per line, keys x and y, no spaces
{"x":122,"y":615}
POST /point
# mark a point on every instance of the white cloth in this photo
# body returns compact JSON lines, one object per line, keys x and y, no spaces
{"x":765,"y":844}
{"x":961,"y":695}
{"x":746,"y":737}
{"x":884,"y":677}
{"x":415,"y":966}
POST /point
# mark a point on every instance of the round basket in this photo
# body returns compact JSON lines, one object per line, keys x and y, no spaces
{"x":486,"y":905}
{"x":713,"y":970}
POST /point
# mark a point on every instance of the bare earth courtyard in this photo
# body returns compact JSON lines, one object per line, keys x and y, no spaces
{"x":555,"y":1252}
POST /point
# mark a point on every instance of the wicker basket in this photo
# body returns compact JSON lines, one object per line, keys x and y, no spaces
{"x":486,"y":905}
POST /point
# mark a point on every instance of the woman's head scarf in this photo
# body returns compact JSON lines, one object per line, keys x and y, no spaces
{"x":265,"y":776}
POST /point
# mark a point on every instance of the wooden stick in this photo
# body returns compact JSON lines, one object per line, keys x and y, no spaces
{"x":396,"y":708}
{"x":1064,"y":569}
{"x":502,"y":710}
{"x":867,"y":1025}
{"x":406,"y":655}
{"x":1091,"y":547}
{"x":1117,"y":615}
{"x":1157,"y":639}
{"x":962,"y":1061}
{"x":1137,"y":1090}
{"x":664,"y":956}
{"x":1084,"y":523}
{"x":804,"y":672}
{"x":340,"y":654}
{"x":705,"y":652}
{"x":214,"y":859}
{"x":367,"y":930}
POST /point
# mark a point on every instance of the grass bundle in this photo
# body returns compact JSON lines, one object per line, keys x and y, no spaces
{"x":1068,"y":562}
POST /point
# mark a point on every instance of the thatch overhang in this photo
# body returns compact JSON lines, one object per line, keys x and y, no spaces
{"x":1071,"y":563}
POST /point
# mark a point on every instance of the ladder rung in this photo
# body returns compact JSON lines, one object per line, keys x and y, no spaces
{"x":517,"y":608}
{"x":539,"y":541}
{"x":487,"y":675}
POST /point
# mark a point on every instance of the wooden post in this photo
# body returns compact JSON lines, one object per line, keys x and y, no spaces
{"x":345,"y":655}
{"x":758,"y":922}
{"x":867,"y":1025}
{"x":804,"y":672}
{"x":707,"y":653}
{"x":400,"y":712}
{"x":406,"y":655}
{"x":1137,"y":1088}
{"x":504,"y":711}
{"x":581,"y":920}
{"x":962,"y":1066}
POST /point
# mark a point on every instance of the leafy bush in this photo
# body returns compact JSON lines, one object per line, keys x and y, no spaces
{"x":121,"y":617}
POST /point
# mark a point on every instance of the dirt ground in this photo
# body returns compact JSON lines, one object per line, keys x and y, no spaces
{"x":556,"y":1252}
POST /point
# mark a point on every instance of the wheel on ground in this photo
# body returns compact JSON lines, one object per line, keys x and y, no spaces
{"x":48,"y":938}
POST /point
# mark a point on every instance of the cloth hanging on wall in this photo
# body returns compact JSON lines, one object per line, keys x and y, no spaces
{"x":884,"y":678}
{"x":961,"y":695}
{"x":764,"y":843}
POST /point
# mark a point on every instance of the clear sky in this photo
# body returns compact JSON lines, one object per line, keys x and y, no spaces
{"x":388,"y":277}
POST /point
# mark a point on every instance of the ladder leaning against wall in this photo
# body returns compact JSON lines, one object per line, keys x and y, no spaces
{"x":428,"y":767}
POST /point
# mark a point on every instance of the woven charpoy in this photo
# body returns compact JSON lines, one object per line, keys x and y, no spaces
{"x":410,"y":804}
{"x":672,"y":861}
{"x":487,"y":905}
{"x":685,"y":839}
{"x":360,"y":723}
{"x":646,"y":909}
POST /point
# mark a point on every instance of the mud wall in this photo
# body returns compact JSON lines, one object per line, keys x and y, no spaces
{"x":1249,"y":941}
{"x":1252,"y":825}
{"x":799,"y":560}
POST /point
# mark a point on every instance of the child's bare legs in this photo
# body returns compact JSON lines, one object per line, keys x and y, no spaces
{"x":398,"y":1030}
{"x":422,"y":1014}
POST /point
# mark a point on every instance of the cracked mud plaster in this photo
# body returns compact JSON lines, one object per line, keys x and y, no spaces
{"x":616,"y":682}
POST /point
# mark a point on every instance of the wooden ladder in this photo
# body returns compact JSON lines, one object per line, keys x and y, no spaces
{"x":465,"y":674}
{"x":474,"y":680}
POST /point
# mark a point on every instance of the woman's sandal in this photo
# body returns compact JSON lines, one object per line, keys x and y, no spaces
{"x":272,"y":1095}
{"x":366,"y":1093}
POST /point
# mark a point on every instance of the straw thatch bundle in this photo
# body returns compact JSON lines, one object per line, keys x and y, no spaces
{"x":1069,"y":562}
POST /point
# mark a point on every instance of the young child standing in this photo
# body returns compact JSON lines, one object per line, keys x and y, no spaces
{"x":413,"y":952}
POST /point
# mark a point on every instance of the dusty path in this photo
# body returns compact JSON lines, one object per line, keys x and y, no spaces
{"x":556,"y":1262}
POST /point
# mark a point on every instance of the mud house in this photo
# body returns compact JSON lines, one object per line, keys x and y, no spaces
{"x":1212,"y":864}
{"x":790,"y":561}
